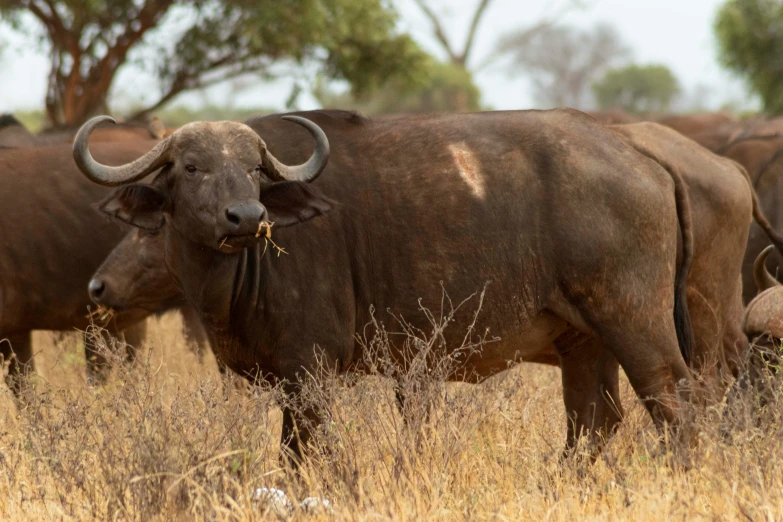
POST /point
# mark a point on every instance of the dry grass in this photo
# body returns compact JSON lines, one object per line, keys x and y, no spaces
{"x":162,"y":442}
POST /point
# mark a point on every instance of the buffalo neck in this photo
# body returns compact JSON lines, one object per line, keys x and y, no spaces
{"x":257,"y":302}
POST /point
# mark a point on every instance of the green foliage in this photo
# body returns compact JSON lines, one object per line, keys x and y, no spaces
{"x":193,"y":44}
{"x":750,"y":43}
{"x":447,"y":88}
{"x":637,"y":88}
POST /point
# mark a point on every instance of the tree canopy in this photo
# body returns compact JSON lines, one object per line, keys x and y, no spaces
{"x":637,"y":88}
{"x":447,"y":88}
{"x":208,"y":41}
{"x":563,"y":62}
{"x":750,"y":42}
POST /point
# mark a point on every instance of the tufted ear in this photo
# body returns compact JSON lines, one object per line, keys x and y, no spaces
{"x":291,"y":202}
{"x":137,"y":204}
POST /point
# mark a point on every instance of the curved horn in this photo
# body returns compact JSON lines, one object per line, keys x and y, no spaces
{"x":313,"y":167}
{"x":113,"y":176}
{"x":763,"y":278}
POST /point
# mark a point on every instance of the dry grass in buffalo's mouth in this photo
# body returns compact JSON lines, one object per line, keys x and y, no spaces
{"x":268,"y":237}
{"x":265,"y":225}
{"x":265,"y":230}
{"x":101,"y":314}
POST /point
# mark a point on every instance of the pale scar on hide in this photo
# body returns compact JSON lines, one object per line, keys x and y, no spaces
{"x":468,"y":166}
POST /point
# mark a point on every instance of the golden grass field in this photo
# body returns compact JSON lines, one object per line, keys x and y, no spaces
{"x":163,"y":442}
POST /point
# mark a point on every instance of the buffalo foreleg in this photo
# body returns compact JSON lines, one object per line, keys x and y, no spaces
{"x":97,"y":341}
{"x":299,"y":420}
{"x":134,"y":336}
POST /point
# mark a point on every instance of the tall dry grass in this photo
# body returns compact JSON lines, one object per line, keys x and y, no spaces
{"x":163,"y":441}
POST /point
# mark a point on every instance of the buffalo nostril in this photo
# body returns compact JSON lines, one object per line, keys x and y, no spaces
{"x":232,"y":217}
{"x":96,"y":288}
{"x":242,"y":218}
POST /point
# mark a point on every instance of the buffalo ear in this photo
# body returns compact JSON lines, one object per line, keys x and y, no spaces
{"x":137,"y":204}
{"x":292,"y":202}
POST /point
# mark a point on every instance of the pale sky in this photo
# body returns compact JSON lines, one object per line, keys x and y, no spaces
{"x":677,"y":33}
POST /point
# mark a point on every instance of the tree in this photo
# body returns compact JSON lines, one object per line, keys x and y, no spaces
{"x":89,"y":41}
{"x":459,"y":56}
{"x":447,"y":88}
{"x":563,"y":62}
{"x":750,"y":43}
{"x":637,"y":88}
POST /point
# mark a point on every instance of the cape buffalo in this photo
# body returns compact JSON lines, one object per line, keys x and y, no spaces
{"x":575,"y":231}
{"x":723,"y":206}
{"x":135,"y":274}
{"x":762,"y":156}
{"x":134,"y":279}
{"x":47,"y":252}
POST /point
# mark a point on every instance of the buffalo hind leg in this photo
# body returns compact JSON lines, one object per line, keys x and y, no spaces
{"x":17,"y":349}
{"x":649,"y":354}
{"x":591,"y":392}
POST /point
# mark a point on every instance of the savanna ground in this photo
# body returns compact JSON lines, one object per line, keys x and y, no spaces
{"x":163,"y":442}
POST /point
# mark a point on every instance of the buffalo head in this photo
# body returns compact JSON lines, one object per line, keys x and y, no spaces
{"x":764,"y":314}
{"x":763,"y":324}
{"x":134,"y":276}
{"x":218,"y":184}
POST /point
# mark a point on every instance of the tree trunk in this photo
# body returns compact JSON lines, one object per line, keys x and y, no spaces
{"x":76,"y":104}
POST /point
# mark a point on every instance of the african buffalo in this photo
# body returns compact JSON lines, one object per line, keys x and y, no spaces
{"x":133,"y":279}
{"x":723,"y":206}
{"x":135,"y":275}
{"x":47,"y":252}
{"x":762,"y":156}
{"x":575,"y":231}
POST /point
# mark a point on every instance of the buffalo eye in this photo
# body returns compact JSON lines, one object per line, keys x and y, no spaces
{"x":258,"y":169}
{"x":190,"y":168}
